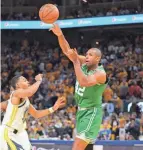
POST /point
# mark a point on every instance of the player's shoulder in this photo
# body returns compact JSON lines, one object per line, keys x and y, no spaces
{"x":101,"y":72}
{"x":101,"y":76}
{"x":101,"y":69}
{"x":17,"y":92}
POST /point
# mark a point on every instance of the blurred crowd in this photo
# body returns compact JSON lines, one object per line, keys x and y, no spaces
{"x":80,"y":12}
{"x":87,"y":11}
{"x":77,"y":13}
{"x":123,"y":62}
{"x":124,"y":126}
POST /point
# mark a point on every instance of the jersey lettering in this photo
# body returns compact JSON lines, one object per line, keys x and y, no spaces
{"x":79,"y":90}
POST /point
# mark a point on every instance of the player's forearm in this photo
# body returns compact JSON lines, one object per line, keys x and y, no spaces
{"x":43,"y":113}
{"x":29,"y":91}
{"x":33,"y":88}
{"x":81,"y":77}
{"x":63,"y":44}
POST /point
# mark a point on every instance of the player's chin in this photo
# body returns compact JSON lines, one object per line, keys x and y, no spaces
{"x":87,"y":64}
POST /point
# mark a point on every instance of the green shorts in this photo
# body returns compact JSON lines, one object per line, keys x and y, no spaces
{"x":88,"y":124}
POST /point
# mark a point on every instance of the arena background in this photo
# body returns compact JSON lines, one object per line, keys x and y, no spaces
{"x":27,"y":48}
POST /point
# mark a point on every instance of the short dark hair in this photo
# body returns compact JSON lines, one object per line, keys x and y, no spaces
{"x":14,"y":81}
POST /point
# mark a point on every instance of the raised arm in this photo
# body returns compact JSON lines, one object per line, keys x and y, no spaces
{"x":61,"y":38}
{"x":22,"y":93}
{"x":63,"y":42}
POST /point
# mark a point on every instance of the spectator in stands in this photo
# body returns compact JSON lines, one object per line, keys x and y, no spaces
{"x":85,"y":11}
{"x":105,"y":132}
{"x":114,"y":128}
{"x":135,"y":90}
{"x":141,"y":125}
{"x":123,"y":89}
{"x":118,"y":103}
{"x":108,"y":94}
{"x":122,"y":130}
{"x":133,"y":131}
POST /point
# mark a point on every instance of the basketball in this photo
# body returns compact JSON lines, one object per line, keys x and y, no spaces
{"x":49,"y":13}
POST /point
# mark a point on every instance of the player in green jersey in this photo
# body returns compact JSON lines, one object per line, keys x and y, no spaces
{"x":90,"y":85}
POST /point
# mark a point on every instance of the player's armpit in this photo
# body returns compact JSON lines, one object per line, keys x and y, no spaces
{"x":91,"y":80}
{"x":3,"y":105}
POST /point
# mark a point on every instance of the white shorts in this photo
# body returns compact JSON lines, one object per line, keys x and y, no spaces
{"x":12,"y":141}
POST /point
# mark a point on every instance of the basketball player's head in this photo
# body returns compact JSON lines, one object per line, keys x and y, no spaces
{"x":19,"y":82}
{"x":93,"y":57}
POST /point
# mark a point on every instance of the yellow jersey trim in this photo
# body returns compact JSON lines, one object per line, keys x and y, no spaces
{"x":12,"y":117}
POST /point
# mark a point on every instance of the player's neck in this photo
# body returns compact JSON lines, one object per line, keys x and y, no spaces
{"x":92,"y":67}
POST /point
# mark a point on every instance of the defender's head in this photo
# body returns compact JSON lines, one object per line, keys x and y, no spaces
{"x":19,"y":82}
{"x":93,"y":57}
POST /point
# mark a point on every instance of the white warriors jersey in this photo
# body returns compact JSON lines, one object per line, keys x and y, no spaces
{"x":15,"y":115}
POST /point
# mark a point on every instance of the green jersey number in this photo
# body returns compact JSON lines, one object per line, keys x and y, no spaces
{"x":79,"y":90}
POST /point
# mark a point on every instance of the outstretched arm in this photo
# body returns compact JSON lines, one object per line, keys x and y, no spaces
{"x":42,"y":113}
{"x":22,"y":93}
{"x":63,"y":42}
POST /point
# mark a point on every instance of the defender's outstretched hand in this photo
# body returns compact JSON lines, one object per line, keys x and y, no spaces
{"x":56,"y":30}
{"x":61,"y":102}
{"x":39,"y":77}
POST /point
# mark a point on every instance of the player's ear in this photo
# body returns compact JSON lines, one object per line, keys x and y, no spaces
{"x":98,"y":59}
{"x":17,"y":85}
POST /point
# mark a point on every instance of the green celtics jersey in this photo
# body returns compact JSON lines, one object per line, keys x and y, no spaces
{"x":89,"y":96}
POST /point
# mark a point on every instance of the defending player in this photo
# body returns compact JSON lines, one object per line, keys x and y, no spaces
{"x":13,"y":135}
{"x":90,"y":85}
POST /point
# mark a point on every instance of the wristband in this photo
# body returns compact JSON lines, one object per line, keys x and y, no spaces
{"x":51,"y":110}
